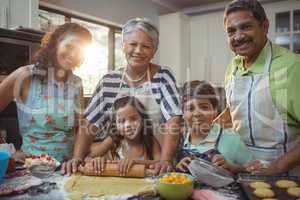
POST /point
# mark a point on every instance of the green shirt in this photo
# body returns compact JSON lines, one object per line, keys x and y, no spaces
{"x":230,"y":143}
{"x":284,"y":80}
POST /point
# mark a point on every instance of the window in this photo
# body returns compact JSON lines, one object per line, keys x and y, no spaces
{"x":287,"y":30}
{"x":104,"y":54}
{"x":119,"y":56}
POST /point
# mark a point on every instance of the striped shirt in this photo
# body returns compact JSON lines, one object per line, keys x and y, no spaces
{"x":163,"y":86}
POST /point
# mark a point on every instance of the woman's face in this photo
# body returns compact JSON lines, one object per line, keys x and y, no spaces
{"x":129,"y":122}
{"x":198,"y":114}
{"x":139,"y":49}
{"x":69,"y":53}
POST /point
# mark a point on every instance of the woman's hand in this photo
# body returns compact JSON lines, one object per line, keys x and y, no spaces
{"x":125,"y":165}
{"x":183,"y":164}
{"x":20,"y":156}
{"x":71,"y":166}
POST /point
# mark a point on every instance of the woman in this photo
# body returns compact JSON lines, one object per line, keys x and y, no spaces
{"x":152,"y":84}
{"x":48,"y":95}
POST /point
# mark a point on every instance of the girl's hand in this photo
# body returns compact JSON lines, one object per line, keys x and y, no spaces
{"x":125,"y":165}
{"x":219,"y":161}
{"x":183,"y":164}
{"x":98,"y":164}
{"x":20,"y":156}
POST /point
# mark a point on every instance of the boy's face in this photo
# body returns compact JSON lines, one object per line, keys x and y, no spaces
{"x":129,"y":122}
{"x":198,"y":114}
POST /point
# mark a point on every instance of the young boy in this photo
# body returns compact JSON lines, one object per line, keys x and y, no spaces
{"x":205,"y":139}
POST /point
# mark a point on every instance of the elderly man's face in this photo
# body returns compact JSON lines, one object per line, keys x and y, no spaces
{"x":246,"y":35}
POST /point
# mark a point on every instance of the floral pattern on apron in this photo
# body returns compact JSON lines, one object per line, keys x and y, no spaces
{"x":47,"y":119}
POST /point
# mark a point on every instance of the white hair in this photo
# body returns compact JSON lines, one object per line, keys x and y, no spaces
{"x":141,"y":24}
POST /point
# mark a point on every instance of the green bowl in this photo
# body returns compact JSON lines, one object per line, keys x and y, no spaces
{"x":175,"y":191}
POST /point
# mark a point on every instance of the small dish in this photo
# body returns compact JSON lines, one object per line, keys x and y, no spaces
{"x":175,"y":190}
{"x":42,"y":170}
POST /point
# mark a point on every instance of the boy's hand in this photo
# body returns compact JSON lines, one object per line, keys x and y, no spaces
{"x":183,"y":164}
{"x":218,"y":160}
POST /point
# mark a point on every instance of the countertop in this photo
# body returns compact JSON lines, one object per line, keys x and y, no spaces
{"x":59,"y":193}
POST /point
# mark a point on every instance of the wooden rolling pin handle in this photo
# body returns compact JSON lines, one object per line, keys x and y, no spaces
{"x":111,"y":169}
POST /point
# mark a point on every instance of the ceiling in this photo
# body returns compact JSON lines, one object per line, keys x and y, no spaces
{"x":181,"y":4}
{"x":169,"y":6}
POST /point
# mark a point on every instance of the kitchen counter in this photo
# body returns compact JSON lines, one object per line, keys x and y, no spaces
{"x":59,"y":192}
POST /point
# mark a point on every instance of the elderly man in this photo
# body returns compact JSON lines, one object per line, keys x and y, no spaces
{"x":261,"y":89}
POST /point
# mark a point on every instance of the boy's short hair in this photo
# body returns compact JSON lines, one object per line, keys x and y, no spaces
{"x":199,"y":89}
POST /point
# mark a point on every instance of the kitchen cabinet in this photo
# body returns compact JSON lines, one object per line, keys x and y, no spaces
{"x":284,"y":30}
{"x":210,"y":53}
{"x":15,"y":13}
{"x":4,"y":13}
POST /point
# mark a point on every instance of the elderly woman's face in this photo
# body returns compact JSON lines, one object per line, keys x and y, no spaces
{"x":139,"y":49}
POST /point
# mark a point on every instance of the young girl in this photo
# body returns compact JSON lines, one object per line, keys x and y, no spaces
{"x":48,"y":95}
{"x":137,"y":143}
{"x":203,"y":137}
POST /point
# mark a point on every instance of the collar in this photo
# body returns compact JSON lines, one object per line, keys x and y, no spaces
{"x":257,"y":67}
{"x":212,"y":135}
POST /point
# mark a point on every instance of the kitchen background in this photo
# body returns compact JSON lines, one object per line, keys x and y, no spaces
{"x":192,"y":40}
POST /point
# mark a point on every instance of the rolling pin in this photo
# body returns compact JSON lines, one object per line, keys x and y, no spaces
{"x":112,"y":169}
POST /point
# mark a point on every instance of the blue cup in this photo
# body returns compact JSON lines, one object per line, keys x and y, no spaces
{"x":4,"y":158}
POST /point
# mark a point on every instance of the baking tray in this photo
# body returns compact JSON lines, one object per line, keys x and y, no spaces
{"x":280,"y":194}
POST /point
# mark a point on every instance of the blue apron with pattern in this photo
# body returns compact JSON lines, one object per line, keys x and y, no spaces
{"x":47,"y":119}
{"x":255,"y":116}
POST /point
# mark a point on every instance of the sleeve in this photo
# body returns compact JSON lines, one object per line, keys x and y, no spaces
{"x":169,"y":102}
{"x":293,"y":96}
{"x":96,"y":111}
{"x":231,"y":143}
{"x":244,"y":154}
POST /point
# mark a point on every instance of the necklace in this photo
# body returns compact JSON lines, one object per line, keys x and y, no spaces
{"x":138,"y":79}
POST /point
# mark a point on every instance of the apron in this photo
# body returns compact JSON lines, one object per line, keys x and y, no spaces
{"x":255,"y":116}
{"x":47,"y":127}
{"x":145,"y":95}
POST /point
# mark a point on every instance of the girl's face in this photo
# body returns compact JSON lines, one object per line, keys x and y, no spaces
{"x":69,"y":53}
{"x":129,"y":122}
{"x":199,"y":114}
{"x":139,"y":49}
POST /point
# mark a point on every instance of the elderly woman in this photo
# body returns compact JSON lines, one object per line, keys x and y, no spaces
{"x":152,"y":84}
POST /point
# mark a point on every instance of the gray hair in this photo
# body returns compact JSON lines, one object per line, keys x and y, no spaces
{"x":141,"y":24}
{"x":249,"y":5}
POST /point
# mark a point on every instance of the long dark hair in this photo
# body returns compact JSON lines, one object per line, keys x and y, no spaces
{"x":45,"y":57}
{"x":147,"y":137}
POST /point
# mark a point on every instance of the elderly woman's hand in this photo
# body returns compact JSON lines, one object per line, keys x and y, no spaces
{"x":162,"y":166}
{"x":71,"y":166}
